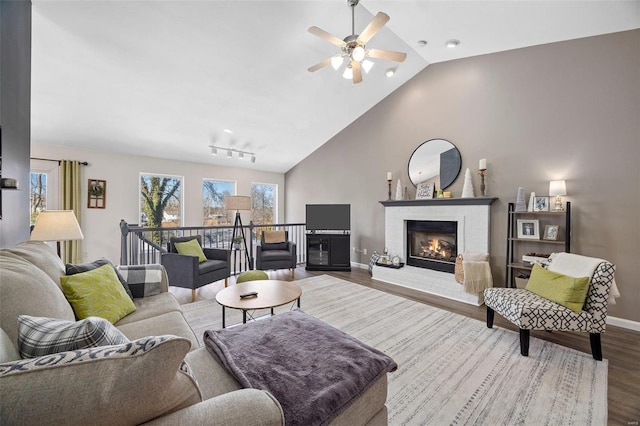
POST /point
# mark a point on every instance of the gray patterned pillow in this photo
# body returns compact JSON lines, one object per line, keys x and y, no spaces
{"x":372,"y":261}
{"x":45,"y":336}
{"x":143,"y":280}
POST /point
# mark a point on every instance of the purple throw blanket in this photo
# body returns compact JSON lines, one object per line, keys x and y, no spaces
{"x":314,"y":370}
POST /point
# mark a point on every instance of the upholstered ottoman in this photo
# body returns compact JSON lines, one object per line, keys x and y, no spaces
{"x":318,"y":374}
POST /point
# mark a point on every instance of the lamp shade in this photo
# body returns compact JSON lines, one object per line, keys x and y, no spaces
{"x":237,"y":202}
{"x":56,"y":225}
{"x":557,"y":187}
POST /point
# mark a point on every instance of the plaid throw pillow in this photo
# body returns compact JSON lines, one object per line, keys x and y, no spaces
{"x":44,"y":336}
{"x":372,"y":261}
{"x":143,"y":280}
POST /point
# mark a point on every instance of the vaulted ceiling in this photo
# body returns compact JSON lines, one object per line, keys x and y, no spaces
{"x":166,"y":78}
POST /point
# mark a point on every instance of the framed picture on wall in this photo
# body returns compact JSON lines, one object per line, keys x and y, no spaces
{"x":425,"y":190}
{"x":96,"y":194}
{"x":528,"y":229}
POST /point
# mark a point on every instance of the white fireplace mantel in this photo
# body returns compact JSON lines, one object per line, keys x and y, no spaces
{"x":473,"y":218}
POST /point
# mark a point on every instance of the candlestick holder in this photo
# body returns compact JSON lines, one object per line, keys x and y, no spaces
{"x":482,"y":173}
{"x":389,"y":183}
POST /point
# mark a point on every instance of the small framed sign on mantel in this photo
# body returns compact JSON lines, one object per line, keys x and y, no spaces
{"x":96,"y":194}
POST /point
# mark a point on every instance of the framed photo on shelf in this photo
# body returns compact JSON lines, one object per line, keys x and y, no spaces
{"x":528,"y":229}
{"x":425,"y":190}
{"x":541,"y":204}
{"x":551,"y":232}
{"x":96,"y":194}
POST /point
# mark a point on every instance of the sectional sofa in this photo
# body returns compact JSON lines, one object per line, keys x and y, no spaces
{"x":162,"y":376}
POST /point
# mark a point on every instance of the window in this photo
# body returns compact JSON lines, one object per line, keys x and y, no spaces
{"x":214,"y":212}
{"x":43,"y":187}
{"x":37,"y":195}
{"x":263,"y":203}
{"x":160,"y":201}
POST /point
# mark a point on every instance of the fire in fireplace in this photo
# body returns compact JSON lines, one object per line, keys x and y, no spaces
{"x":432,"y":244}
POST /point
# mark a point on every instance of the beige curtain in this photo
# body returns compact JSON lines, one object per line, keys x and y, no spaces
{"x":71,"y":197}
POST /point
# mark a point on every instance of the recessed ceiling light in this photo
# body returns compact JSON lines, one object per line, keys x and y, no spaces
{"x":452,"y":43}
{"x":422,"y":43}
{"x":228,"y":131}
{"x":390,"y":72}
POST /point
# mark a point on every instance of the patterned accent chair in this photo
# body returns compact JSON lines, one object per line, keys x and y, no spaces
{"x":276,"y":252}
{"x":532,"y":312}
{"x":186,"y":272}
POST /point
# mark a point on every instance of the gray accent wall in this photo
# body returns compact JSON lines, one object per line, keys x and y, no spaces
{"x":567,"y":110}
{"x":15,"y":116}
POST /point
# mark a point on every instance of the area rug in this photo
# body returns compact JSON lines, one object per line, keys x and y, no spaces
{"x":452,"y":370}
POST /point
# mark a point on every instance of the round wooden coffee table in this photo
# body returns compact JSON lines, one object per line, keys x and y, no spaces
{"x":271,"y":293}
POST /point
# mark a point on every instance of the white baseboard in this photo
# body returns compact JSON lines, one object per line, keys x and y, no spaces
{"x":624,"y":323}
{"x":360,"y":265}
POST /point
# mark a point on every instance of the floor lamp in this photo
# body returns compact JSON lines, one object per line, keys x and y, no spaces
{"x":237,"y":203}
{"x":56,"y":225}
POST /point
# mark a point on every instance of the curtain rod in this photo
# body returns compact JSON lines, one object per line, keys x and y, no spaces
{"x":84,"y":163}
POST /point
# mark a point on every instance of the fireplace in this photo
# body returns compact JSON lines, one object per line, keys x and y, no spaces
{"x":432,"y":244}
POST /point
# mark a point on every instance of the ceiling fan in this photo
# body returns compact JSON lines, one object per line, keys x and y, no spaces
{"x":354,"y":46}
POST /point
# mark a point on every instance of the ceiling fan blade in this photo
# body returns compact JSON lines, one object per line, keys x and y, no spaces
{"x":389,"y":55}
{"x":357,"y":72}
{"x":325,"y":35}
{"x":374,"y":26}
{"x":322,"y":64}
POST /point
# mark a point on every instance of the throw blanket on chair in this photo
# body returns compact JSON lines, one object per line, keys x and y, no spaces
{"x":576,"y":265}
{"x":314,"y":370}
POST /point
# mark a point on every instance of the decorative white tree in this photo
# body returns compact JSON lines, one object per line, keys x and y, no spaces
{"x":520,"y":205}
{"x":531,"y":199}
{"x":399,"y":191}
{"x":467,"y":189}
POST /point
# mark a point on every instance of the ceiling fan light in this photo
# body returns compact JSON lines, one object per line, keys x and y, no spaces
{"x":337,"y":61}
{"x":348,"y":73}
{"x":367,"y":65}
{"x":358,"y":54}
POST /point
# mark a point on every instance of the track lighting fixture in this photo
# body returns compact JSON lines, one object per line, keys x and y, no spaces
{"x":241,"y":154}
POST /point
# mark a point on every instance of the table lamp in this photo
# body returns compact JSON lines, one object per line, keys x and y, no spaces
{"x":56,"y":225}
{"x":237,"y":203}
{"x":557,"y":188}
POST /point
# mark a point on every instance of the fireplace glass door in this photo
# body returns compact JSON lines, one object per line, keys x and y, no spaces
{"x":432,"y":244}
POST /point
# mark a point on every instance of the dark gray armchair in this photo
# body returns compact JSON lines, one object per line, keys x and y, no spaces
{"x":187,"y":272}
{"x":278,"y":255}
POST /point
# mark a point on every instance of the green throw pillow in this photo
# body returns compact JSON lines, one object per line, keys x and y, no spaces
{"x":563,"y":289}
{"x":97,"y":293}
{"x":192,"y":248}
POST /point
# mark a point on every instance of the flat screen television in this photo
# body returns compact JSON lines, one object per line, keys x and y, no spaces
{"x":328,"y":217}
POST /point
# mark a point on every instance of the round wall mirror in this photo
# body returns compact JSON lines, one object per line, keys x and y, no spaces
{"x":436,"y":160}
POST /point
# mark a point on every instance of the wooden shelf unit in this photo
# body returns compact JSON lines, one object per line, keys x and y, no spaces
{"x":517,"y":247}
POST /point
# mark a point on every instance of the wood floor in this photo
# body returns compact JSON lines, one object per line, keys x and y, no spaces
{"x":620,"y":346}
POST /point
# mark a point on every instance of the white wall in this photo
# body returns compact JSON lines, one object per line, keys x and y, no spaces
{"x":101,"y":226}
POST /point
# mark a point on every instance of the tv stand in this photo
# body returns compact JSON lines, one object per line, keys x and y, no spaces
{"x":328,"y":252}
